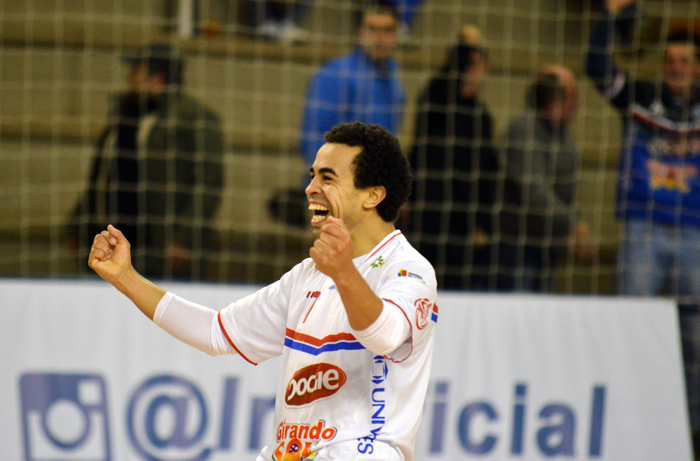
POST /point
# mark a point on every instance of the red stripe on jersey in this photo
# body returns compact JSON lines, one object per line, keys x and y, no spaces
{"x":231,"y":342}
{"x":647,"y":120}
{"x":319,"y":342}
{"x":383,"y":245}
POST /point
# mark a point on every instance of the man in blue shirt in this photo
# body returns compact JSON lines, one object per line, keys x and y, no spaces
{"x":360,"y":86}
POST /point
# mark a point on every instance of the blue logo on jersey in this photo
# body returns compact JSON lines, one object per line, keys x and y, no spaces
{"x":379,"y":374}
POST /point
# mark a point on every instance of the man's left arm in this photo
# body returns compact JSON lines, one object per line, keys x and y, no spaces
{"x":332,"y":253}
{"x":380,"y":330}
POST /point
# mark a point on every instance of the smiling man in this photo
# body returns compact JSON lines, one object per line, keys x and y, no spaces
{"x":354,"y":323}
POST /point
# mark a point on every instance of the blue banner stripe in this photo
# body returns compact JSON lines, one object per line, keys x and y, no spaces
{"x":434,"y":317}
{"x":352,"y":346}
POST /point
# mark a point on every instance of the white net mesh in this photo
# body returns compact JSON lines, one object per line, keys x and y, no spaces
{"x":62,"y":65}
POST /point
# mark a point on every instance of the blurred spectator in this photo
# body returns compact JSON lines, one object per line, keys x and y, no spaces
{"x":659,"y":183}
{"x":278,"y":19}
{"x":454,"y":166}
{"x":539,"y":220}
{"x":157,"y":173}
{"x":360,"y":86}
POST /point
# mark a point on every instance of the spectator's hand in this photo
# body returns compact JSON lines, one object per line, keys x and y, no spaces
{"x":179,"y":256}
{"x":332,"y":250}
{"x":615,"y":6}
{"x":110,"y":255}
{"x":583,"y":242}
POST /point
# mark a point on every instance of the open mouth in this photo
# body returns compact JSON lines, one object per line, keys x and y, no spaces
{"x":320,"y":212}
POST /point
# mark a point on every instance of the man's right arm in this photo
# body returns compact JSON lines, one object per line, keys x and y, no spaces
{"x":610,"y":80}
{"x":192,"y":324}
{"x":254,"y":327}
{"x":110,"y":257}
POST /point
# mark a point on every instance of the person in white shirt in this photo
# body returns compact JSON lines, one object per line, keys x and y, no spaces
{"x":354,"y":323}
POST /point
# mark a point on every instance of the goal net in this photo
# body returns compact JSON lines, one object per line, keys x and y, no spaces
{"x":246,"y":70}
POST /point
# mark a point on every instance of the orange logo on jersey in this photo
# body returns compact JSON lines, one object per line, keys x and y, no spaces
{"x":423,"y":309}
{"x":294,"y":451}
{"x":317,"y":381}
{"x":670,"y":176}
{"x":295,"y":440}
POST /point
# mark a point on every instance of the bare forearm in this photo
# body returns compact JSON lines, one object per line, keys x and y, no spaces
{"x":361,"y":304}
{"x":110,"y":257}
{"x":141,"y":291}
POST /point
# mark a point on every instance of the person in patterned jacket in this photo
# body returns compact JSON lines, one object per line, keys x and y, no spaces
{"x":659,"y":175}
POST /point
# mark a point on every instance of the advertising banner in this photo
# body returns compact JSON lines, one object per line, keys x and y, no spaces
{"x":87,"y":377}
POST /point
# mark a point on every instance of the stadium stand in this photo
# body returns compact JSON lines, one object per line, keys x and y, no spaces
{"x":62,"y":60}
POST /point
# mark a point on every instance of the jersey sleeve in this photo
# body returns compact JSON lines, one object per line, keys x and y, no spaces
{"x":612,"y":82}
{"x":411,"y":287}
{"x":255,"y":326}
{"x":388,"y":332}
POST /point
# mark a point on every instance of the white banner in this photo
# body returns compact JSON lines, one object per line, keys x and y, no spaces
{"x":87,"y":377}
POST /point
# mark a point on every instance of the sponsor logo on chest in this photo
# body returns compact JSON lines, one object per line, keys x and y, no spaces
{"x":379,"y":262}
{"x":405,"y":273}
{"x":296,"y":440}
{"x":312,"y":383}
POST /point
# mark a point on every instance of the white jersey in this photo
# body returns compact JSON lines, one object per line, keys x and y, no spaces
{"x":331,"y":389}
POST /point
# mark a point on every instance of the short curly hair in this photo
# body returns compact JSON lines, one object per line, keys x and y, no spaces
{"x":380,"y":163}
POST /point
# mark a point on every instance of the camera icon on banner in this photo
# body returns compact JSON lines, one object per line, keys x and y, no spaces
{"x":64,"y":417}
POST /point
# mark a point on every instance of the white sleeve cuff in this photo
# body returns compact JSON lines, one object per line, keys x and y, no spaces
{"x":192,"y":324}
{"x":387,"y":333}
{"x":160,"y":308}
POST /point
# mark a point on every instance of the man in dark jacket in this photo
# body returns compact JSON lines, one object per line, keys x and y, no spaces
{"x":157,"y":173}
{"x":454,"y":167}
